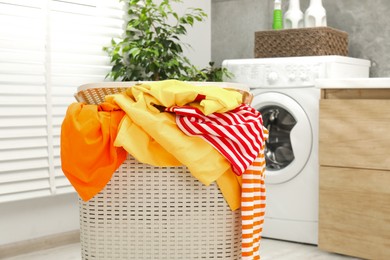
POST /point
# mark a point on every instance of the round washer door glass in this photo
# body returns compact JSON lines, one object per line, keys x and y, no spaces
{"x":289,"y":144}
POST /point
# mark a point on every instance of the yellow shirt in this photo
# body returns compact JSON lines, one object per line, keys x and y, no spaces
{"x":153,"y":137}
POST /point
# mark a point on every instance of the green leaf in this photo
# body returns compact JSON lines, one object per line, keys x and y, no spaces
{"x":190,"y":20}
{"x":134,"y":52}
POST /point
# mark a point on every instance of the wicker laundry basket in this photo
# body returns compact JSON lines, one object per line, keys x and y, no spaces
{"x":315,"y":41}
{"x":148,"y":212}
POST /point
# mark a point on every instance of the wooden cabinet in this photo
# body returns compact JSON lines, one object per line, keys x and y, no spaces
{"x":354,"y":150}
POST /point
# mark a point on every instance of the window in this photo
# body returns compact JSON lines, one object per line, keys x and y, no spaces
{"x":47,"y":49}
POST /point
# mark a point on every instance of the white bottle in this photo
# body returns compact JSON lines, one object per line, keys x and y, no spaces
{"x":315,"y":15}
{"x":293,"y":18}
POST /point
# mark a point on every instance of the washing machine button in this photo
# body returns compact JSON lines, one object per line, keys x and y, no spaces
{"x":272,"y":77}
{"x":291,"y":76}
{"x":304,"y":76}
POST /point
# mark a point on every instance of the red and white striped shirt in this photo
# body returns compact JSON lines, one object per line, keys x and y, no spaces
{"x":237,"y":134}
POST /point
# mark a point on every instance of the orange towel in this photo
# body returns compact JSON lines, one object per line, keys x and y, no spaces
{"x":88,"y":155}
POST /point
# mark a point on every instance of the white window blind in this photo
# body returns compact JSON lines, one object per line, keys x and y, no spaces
{"x":47,"y":49}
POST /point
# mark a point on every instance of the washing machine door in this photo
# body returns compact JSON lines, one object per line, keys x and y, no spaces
{"x":289,"y":145}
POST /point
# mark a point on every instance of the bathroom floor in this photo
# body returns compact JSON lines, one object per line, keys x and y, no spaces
{"x":271,"y":250}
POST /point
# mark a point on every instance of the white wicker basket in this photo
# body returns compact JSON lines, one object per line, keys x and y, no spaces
{"x":148,"y":212}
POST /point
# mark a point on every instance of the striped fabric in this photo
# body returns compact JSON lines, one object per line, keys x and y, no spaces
{"x":253,"y":208}
{"x":236,"y":134}
{"x":240,"y":137}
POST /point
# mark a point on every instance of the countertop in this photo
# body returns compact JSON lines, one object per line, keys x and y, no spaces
{"x":353,"y":83}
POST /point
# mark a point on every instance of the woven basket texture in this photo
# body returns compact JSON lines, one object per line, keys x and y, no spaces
{"x":316,"y":41}
{"x":148,"y":212}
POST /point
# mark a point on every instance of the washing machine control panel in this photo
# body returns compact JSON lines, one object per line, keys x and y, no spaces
{"x":276,"y":74}
{"x":293,"y":74}
{"x":293,"y":71}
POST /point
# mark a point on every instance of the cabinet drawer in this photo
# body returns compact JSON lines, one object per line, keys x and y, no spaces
{"x":355,"y":133}
{"x":354,"y":212}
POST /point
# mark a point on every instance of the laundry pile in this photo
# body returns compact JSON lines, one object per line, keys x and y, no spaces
{"x":173,"y":123}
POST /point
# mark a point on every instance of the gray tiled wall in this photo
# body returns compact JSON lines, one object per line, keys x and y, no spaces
{"x":366,"y":21}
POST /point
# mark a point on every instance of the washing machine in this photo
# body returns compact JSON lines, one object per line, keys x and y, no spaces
{"x":285,"y":94}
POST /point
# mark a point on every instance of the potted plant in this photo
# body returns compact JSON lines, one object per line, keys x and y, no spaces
{"x":151,"y":48}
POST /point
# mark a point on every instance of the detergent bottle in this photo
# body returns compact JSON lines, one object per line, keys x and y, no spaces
{"x":278,"y":16}
{"x":315,"y":15}
{"x":293,"y":18}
